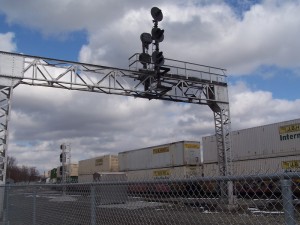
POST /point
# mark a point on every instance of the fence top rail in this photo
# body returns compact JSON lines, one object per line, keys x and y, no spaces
{"x":277,"y":176}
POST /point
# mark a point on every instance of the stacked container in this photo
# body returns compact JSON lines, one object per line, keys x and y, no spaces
{"x":264,"y":149}
{"x":173,"y":160}
{"x":87,"y":167}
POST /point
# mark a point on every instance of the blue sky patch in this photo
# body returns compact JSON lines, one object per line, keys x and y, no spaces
{"x":241,"y":6}
{"x":282,"y":82}
{"x":32,"y":42}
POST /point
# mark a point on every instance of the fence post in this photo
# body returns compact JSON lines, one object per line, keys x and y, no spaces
{"x":93,"y":206}
{"x":6,"y":210}
{"x":287,"y":198}
{"x":34,"y":207}
{"x":231,"y":196}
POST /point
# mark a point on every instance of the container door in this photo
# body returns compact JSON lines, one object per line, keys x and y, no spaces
{"x":161,"y":156}
{"x":122,"y":162}
{"x":192,"y":153}
{"x":193,"y":158}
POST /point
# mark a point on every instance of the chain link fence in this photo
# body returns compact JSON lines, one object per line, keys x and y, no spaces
{"x":254,"y":199}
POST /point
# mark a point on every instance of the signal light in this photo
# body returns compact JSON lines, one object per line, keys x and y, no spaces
{"x":157,"y":34}
{"x":146,"y":39}
{"x":156,"y":14}
{"x":145,"y":58}
{"x":158,"y":58}
{"x":62,"y":157}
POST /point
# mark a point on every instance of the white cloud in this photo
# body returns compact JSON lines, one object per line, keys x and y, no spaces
{"x":211,"y":34}
{"x":7,"y":42}
{"x":267,"y":35}
{"x":251,"y":108}
{"x":95,"y":124}
{"x":198,"y":31}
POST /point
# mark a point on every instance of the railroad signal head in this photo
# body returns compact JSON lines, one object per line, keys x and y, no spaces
{"x":63,"y":147}
{"x":146,"y":39}
{"x":157,"y":34}
{"x":156,"y":14}
{"x":62,"y":157}
{"x":145,"y":58}
{"x":158,"y":58}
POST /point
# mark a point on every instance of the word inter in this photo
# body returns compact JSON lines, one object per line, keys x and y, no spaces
{"x":289,"y":136}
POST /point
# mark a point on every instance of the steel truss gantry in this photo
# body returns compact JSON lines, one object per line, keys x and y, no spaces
{"x":184,"y":82}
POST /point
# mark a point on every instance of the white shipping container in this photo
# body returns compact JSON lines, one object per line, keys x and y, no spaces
{"x":102,"y":177}
{"x":87,"y":178}
{"x":210,"y":169}
{"x":181,"y":172}
{"x":209,"y":149}
{"x":106,"y":163}
{"x":71,"y":170}
{"x":109,"y":176}
{"x":273,"y":140}
{"x":267,"y":165}
{"x":257,"y":166}
{"x":169,"y":155}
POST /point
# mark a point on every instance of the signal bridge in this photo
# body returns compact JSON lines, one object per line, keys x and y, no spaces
{"x":186,"y":82}
{"x":163,"y":79}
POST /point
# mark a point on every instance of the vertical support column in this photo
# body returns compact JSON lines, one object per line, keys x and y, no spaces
{"x":222,"y":127}
{"x":11,"y":73}
{"x":5,"y":102}
{"x":223,"y":140}
{"x":5,"y":105}
{"x":93,"y":205}
{"x":34,"y":206}
{"x":287,"y":199}
{"x":63,"y":181}
{"x":6,"y":211}
{"x":218,"y":101}
{"x":65,"y":161}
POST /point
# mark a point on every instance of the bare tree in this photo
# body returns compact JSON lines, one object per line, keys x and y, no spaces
{"x":11,"y":161}
{"x":20,"y":174}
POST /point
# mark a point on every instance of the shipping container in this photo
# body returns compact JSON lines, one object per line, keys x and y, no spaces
{"x":71,"y":169}
{"x":181,"y":172}
{"x":183,"y":153}
{"x":273,"y":140}
{"x":102,"y":177}
{"x":210,"y":169}
{"x":106,"y":163}
{"x":109,"y":176}
{"x":86,"y":178}
{"x":268,"y":165}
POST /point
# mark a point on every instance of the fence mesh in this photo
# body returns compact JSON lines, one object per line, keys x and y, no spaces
{"x":259,"y":199}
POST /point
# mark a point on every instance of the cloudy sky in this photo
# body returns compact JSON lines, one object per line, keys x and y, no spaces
{"x":256,"y":41}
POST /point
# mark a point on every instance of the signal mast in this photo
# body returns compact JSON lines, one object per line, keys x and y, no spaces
{"x":65,"y":163}
{"x":157,"y":58}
